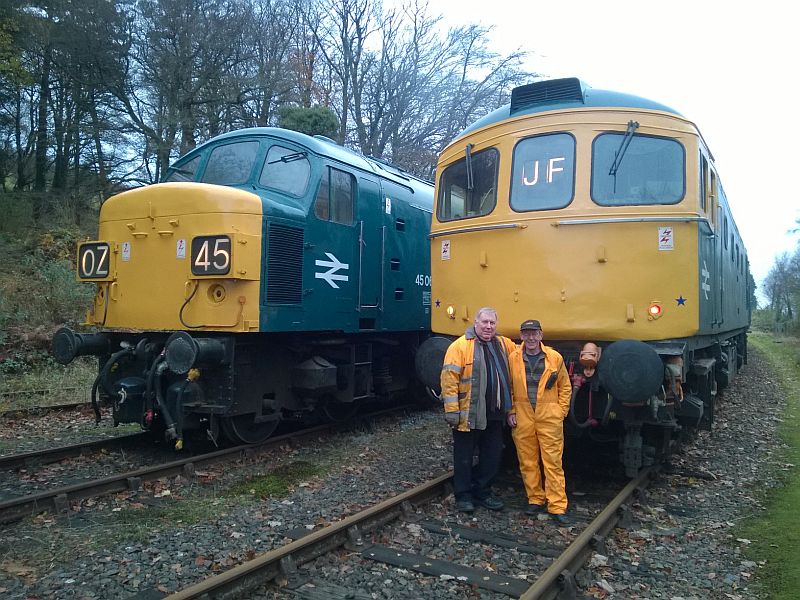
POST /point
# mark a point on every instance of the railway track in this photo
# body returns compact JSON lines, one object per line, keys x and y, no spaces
{"x":551,"y":574}
{"x":57,"y":500}
{"x":51,"y":455}
{"x":14,"y":413}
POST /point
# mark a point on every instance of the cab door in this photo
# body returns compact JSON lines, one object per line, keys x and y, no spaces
{"x":369,"y":224}
{"x":709,"y":241}
{"x":331,"y":254}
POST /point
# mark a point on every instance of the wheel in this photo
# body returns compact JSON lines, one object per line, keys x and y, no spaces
{"x":338,"y":411}
{"x":432,"y":395}
{"x":242,"y":429}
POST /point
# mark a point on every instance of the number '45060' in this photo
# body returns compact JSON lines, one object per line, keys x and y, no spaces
{"x":423,"y":280}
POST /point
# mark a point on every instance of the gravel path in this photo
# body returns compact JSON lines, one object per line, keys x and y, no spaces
{"x":175,"y":533}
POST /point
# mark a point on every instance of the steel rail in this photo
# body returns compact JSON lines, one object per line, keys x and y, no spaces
{"x":574,"y":556}
{"x":284,"y":560}
{"x":44,"y":408}
{"x":50,"y":455}
{"x":56,"y":500}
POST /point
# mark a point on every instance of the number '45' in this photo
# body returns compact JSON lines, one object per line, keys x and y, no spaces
{"x":211,"y":255}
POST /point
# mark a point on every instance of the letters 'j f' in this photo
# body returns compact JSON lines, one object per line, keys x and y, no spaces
{"x":551,"y":169}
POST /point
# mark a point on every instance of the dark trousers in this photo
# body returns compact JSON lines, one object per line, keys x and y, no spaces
{"x":476,"y":481}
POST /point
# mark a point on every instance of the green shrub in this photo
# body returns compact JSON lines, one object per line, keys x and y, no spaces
{"x":38,"y":293}
{"x":17,"y":211}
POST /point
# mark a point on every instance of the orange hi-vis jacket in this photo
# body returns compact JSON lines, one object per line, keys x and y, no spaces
{"x":539,"y":434}
{"x":552,"y":404}
{"x":458,"y":380}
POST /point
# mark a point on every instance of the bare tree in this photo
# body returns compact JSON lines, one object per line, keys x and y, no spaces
{"x":113,"y":90}
{"x":341,"y":29}
{"x":782,"y":285}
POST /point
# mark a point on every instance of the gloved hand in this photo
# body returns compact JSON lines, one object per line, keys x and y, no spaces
{"x":451,"y":418}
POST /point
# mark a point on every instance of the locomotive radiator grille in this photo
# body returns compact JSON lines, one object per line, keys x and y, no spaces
{"x":284,"y":265}
{"x":545,"y":92}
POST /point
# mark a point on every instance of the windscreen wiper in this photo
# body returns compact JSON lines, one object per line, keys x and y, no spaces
{"x":286,"y":158}
{"x":468,"y":162}
{"x":182,"y":171}
{"x":623,"y":147}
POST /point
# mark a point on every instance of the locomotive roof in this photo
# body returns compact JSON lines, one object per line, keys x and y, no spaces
{"x":560,"y":94}
{"x":327,"y":147}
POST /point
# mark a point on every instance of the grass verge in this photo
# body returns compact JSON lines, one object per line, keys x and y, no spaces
{"x":47,"y":383}
{"x":775,"y":534}
{"x":278,"y":482}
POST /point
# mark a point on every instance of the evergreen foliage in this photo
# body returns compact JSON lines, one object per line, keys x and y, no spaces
{"x":311,"y":121}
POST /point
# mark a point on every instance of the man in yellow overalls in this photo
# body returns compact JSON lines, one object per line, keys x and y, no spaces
{"x":541,"y":393}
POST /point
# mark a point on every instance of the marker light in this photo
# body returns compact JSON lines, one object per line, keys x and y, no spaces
{"x":451,"y":311}
{"x":654,"y":311}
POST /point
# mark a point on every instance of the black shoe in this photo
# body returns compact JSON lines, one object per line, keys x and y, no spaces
{"x":534,"y":509}
{"x":560,"y":519}
{"x":465,"y":506}
{"x":491,"y":503}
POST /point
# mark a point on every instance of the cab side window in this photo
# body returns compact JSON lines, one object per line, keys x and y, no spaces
{"x":469,"y":190}
{"x":231,"y":164}
{"x":335,"y":197}
{"x":184,"y":172}
{"x":286,"y":170}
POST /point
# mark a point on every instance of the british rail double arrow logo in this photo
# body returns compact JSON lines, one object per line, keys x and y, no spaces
{"x":333,"y":265}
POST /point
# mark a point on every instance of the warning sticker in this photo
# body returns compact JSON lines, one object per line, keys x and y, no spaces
{"x":666,"y":239}
{"x":445,"y":249}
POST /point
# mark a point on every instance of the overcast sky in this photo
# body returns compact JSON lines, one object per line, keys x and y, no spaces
{"x":728,"y":67}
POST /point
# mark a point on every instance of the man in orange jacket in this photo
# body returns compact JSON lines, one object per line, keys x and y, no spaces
{"x":541,"y":395}
{"x":476,"y":393}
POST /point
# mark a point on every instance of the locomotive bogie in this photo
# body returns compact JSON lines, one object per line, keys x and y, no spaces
{"x":244,"y":385}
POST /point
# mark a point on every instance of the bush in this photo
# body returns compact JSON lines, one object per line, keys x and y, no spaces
{"x":767,"y":321}
{"x":38,"y":293}
{"x":311,"y":121}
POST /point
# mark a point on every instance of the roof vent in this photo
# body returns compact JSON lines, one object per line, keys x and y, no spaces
{"x":553,"y":91}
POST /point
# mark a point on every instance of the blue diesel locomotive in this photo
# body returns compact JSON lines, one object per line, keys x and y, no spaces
{"x":271,"y":275}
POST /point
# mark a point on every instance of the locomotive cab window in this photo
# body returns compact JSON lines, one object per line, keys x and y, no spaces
{"x":468,"y":188}
{"x":635,"y":169}
{"x":543,"y":174}
{"x":231,"y":164}
{"x":286,"y":170}
{"x":184,"y":172}
{"x":335,"y":197}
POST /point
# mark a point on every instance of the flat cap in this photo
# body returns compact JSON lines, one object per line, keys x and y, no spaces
{"x":530,"y":324}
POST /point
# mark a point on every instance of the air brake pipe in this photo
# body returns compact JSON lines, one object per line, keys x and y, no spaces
{"x":577,"y":382}
{"x":162,"y":405}
{"x":590,"y":421}
{"x":100,"y":380}
{"x":95,"y":405}
{"x":148,"y":393}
